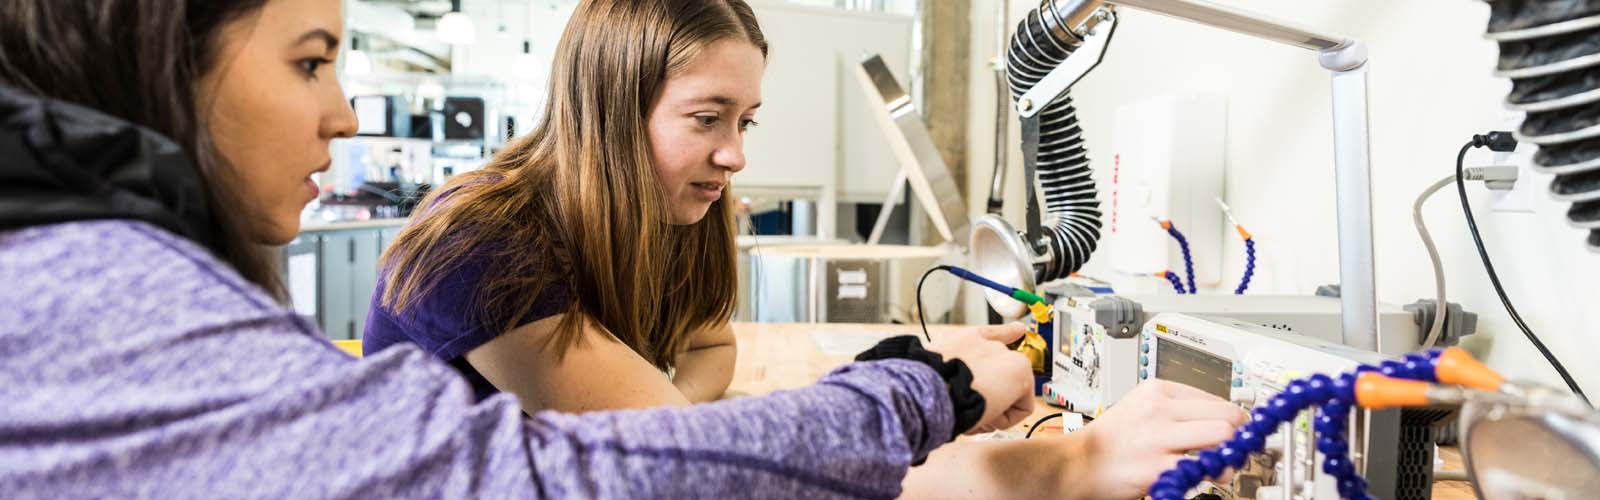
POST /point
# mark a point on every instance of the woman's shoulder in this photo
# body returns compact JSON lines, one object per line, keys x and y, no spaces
{"x":460,"y":281}
{"x":460,"y":278}
{"x":120,"y":274}
{"x":472,"y":230}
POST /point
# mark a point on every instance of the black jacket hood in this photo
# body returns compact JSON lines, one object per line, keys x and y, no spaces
{"x":60,"y":162}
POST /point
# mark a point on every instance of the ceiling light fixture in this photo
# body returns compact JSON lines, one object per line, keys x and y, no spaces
{"x":456,"y":27}
{"x":356,"y":62}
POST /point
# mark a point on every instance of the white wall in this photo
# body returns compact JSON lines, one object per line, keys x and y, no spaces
{"x":817,"y":127}
{"x":1430,"y":90}
{"x":906,"y":7}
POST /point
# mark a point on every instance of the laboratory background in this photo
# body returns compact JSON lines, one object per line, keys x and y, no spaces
{"x":1230,"y":194}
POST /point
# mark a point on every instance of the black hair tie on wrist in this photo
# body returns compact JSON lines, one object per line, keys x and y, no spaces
{"x":967,"y":403}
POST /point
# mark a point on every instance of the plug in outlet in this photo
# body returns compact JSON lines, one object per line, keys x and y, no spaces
{"x":1496,"y":178}
{"x":1522,"y":183}
{"x":1518,"y":199}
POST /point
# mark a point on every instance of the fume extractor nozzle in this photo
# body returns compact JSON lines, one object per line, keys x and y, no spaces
{"x":1059,"y":238}
{"x":1550,"y":49}
{"x":1067,"y":21}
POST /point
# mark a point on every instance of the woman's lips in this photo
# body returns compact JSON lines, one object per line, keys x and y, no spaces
{"x":708,"y":191}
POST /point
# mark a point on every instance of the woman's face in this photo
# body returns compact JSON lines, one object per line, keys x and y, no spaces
{"x":698,"y":123}
{"x":272,"y":105}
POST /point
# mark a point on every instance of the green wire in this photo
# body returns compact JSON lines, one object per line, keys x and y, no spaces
{"x":1026,"y":297}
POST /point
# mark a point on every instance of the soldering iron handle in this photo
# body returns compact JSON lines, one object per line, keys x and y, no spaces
{"x":973,"y":277}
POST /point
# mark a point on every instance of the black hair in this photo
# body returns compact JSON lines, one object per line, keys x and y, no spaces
{"x":141,"y":61}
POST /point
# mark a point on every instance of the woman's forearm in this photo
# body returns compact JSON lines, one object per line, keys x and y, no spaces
{"x":704,"y":374}
{"x":1044,"y":467}
{"x":851,"y":435}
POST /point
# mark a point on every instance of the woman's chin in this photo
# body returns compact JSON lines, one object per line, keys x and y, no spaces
{"x":280,"y":233}
{"x":689,"y":216}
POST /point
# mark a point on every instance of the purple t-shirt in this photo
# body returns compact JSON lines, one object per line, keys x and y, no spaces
{"x":449,"y":320}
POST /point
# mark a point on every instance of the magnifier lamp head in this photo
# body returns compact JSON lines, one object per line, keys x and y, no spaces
{"x":1000,"y":253}
{"x":1546,"y":444}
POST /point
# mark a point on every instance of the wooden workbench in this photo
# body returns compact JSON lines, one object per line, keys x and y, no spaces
{"x":785,"y":356}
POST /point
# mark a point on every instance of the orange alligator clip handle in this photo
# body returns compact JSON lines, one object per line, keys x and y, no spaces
{"x":1457,"y":366}
{"x":1377,"y":392}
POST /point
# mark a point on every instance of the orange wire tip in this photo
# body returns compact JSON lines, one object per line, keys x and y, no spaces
{"x":1377,"y":392}
{"x":1457,"y":366}
{"x":1242,"y":233}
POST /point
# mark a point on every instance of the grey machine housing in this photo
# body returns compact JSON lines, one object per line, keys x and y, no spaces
{"x":1396,"y":462}
{"x":1096,"y":336}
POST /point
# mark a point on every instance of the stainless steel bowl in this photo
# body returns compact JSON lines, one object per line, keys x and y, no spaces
{"x":1535,"y":443}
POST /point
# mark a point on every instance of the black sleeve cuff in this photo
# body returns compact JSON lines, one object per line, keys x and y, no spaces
{"x":968,"y":403}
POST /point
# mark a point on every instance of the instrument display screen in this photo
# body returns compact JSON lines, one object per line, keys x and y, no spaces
{"x":1192,"y":367}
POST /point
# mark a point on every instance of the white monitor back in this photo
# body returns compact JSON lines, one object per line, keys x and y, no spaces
{"x":1168,"y":162}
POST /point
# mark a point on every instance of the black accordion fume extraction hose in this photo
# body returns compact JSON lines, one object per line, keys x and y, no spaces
{"x":1550,"y":49}
{"x":1071,"y":210}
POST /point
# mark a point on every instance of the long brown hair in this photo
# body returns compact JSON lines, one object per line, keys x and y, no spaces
{"x":576,"y":203}
{"x":141,"y":61}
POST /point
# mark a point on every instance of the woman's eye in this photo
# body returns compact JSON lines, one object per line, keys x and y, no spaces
{"x":746,"y":123}
{"x":707,"y":120}
{"x":310,"y":66}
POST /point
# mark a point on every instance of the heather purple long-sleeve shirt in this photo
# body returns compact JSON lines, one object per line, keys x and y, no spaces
{"x":135,"y":365}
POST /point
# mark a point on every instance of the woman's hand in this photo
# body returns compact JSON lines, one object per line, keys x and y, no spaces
{"x":1144,"y":434}
{"x":1001,"y":375}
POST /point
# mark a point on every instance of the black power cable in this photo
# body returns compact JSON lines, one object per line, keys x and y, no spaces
{"x":1039,"y":422}
{"x":1503,"y":142}
{"x":922,"y":314}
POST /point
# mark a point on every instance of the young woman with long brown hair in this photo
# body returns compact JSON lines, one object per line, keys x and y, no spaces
{"x":595,"y":256}
{"x":600,"y":248}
